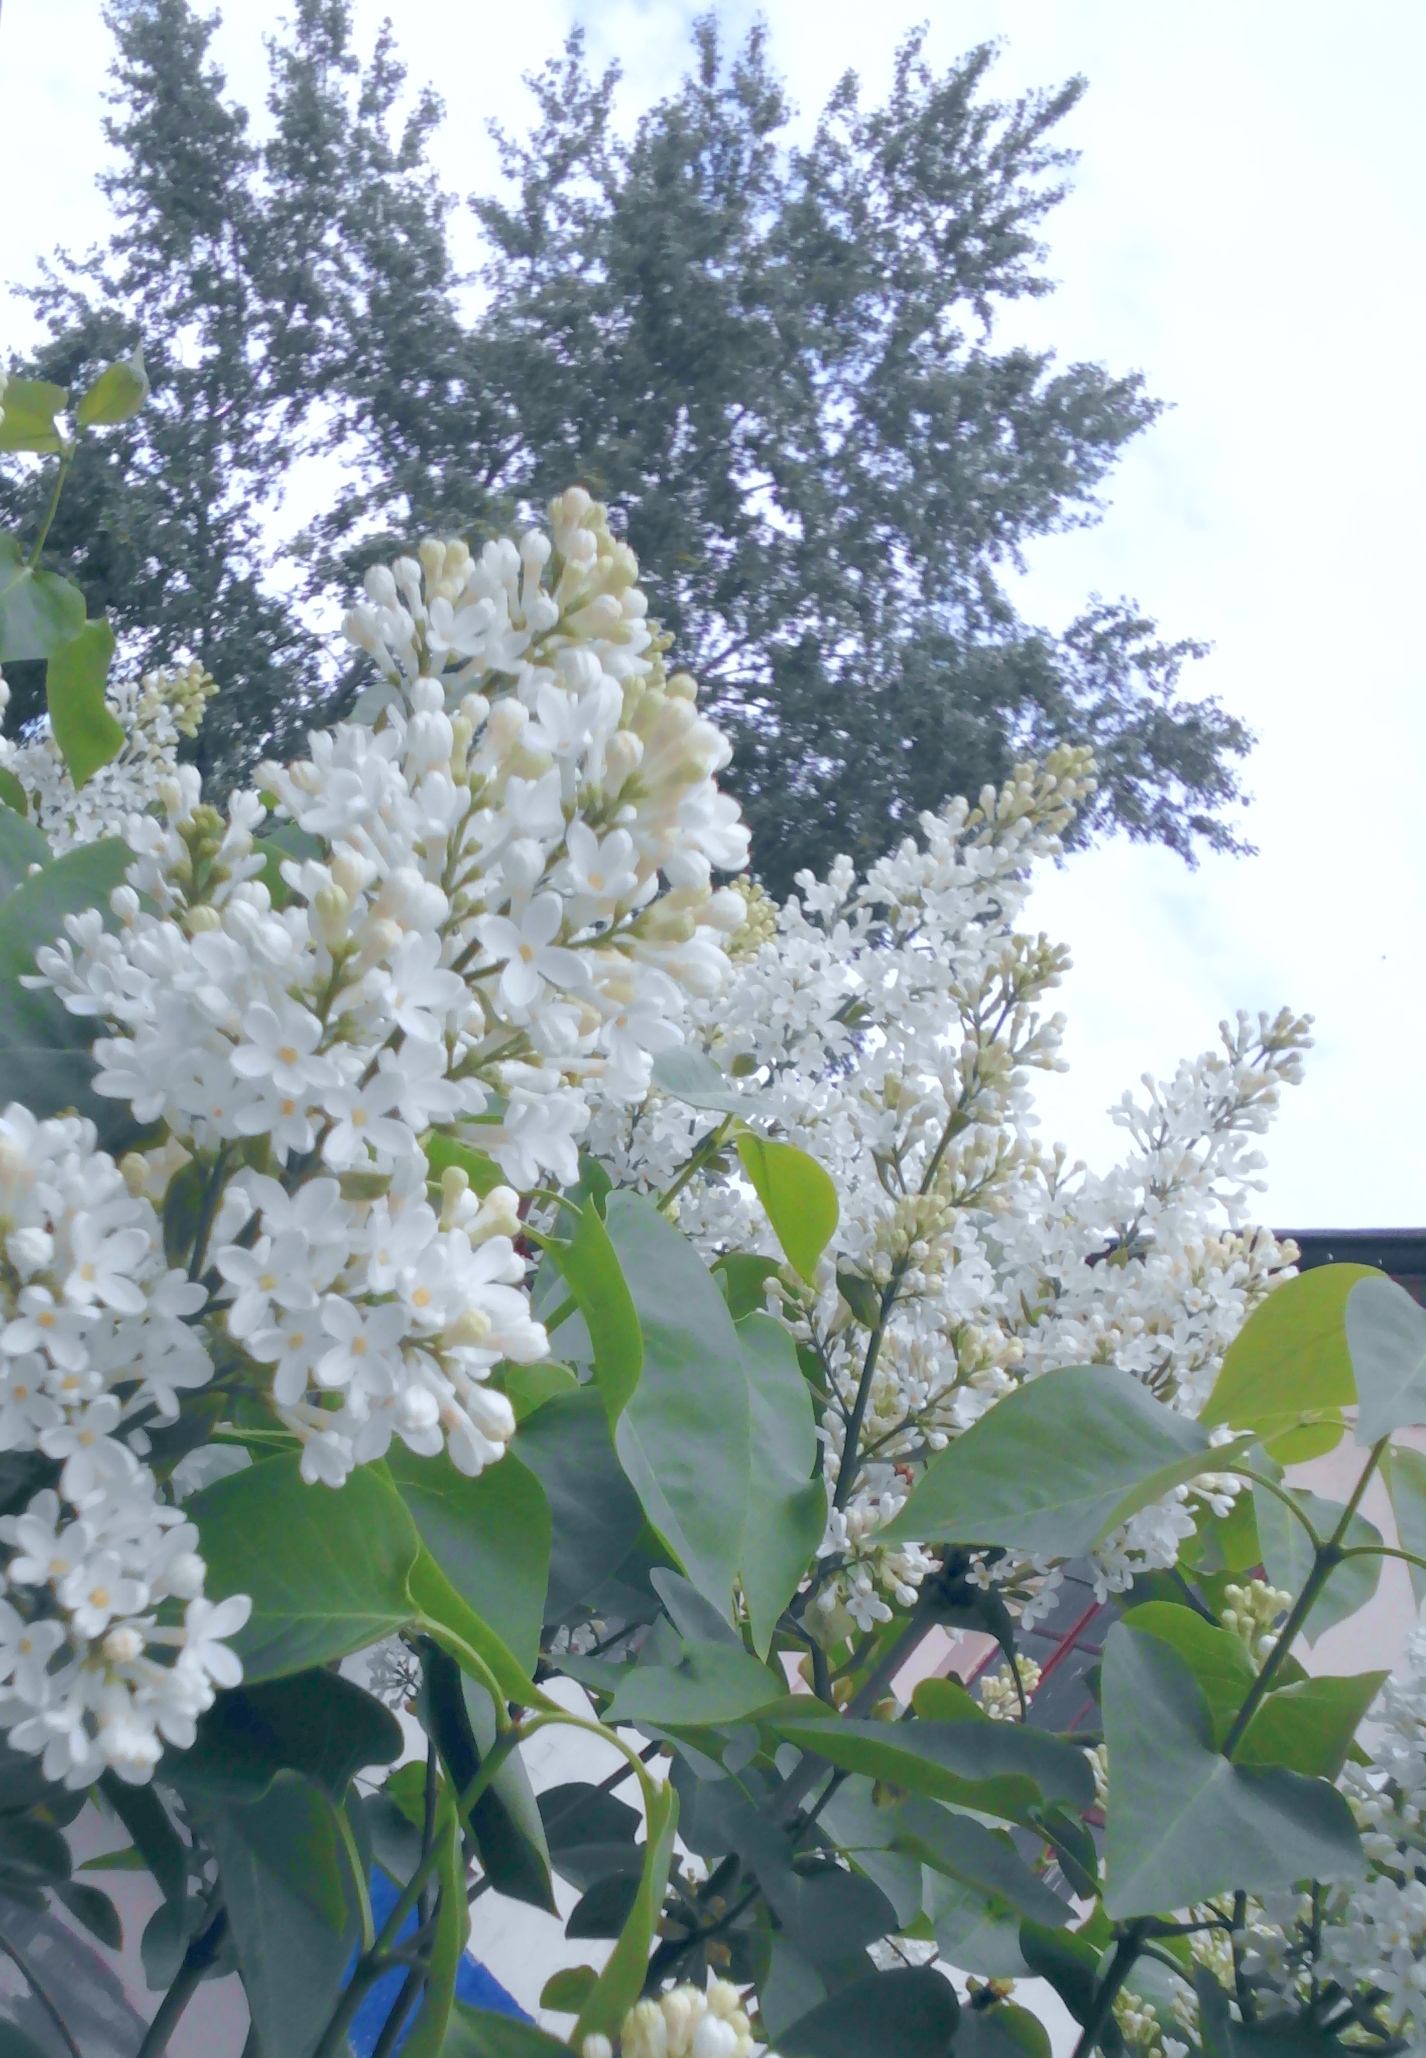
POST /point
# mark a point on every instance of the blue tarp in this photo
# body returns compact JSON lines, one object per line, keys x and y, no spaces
{"x":474,"y":1985}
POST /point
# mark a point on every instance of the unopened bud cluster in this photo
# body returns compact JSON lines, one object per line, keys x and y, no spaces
{"x":1253,"y":1613}
{"x":684,"y":2023}
{"x":999,"y":1695}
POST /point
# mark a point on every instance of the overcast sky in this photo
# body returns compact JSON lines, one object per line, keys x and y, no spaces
{"x":1248,"y":228}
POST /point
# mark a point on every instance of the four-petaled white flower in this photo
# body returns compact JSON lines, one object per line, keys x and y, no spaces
{"x":85,"y":1443}
{"x":365,"y":1119}
{"x":104,"y":1263}
{"x":282,"y":1046}
{"x":26,"y":1649}
{"x":421,"y":991}
{"x":207,"y":1624}
{"x":45,"y":1324}
{"x":529,"y":952}
{"x":97,"y":1590}
{"x":366,"y":1341}
{"x":604,"y":870}
{"x":276,"y":1268}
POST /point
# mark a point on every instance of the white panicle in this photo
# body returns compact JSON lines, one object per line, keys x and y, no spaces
{"x":157,"y":711}
{"x":891,"y":1026}
{"x":486,"y":901}
{"x":107,"y":1647}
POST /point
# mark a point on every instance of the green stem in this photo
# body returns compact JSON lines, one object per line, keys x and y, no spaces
{"x":1149,"y":1949}
{"x":1191,"y":1599}
{"x":858,"y":1658}
{"x":374,"y":1961}
{"x":196,"y":1961}
{"x":955,"y":1122}
{"x":208,"y":1214}
{"x":61,"y":474}
{"x":359,"y":1885}
{"x":1182,"y":1929}
{"x":870,"y":1692}
{"x":428,"y":1823}
{"x":1327,"y":1558}
{"x":809,"y":1768}
{"x":1384,"y":1551}
{"x":1280,"y":1493}
{"x":1128,"y":1949}
{"x":405,"y":2003}
{"x":703,"y":1151}
{"x":846,"y":1474}
{"x":561,"y":1315}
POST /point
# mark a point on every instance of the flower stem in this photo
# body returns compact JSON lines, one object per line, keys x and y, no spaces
{"x":1326,"y":1559}
{"x":411,"y":1988}
{"x":702,"y":1152}
{"x":1126,"y":1952}
{"x":196,"y":1961}
{"x":847,"y":1470}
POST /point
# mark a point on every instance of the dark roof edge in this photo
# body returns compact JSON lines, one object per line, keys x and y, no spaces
{"x":1392,"y":1250}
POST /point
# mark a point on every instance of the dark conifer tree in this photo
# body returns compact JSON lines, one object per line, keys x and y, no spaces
{"x":163,"y":522}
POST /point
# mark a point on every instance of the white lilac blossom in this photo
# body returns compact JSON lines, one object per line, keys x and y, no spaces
{"x":486,"y":903}
{"x":107,"y":1647}
{"x":156,"y":712}
{"x":889,"y":1025}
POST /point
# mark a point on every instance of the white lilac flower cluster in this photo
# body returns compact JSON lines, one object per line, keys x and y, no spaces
{"x":388,"y":1314}
{"x":486,"y":901}
{"x":156,"y":711}
{"x":683,"y":2023}
{"x":1375,"y":1937}
{"x":889,"y":1025}
{"x":107,"y":1646}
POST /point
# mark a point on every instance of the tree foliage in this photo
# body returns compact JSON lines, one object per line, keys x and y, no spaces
{"x":781,"y":359}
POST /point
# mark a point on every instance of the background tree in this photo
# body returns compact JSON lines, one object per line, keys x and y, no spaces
{"x":163,"y":524}
{"x":780,"y":360}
